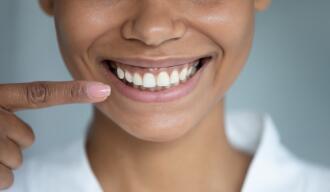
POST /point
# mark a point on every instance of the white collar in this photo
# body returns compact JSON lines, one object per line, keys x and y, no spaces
{"x":273,"y":168}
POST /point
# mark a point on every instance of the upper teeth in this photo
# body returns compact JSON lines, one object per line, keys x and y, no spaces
{"x":120,"y":73}
{"x":174,"y":79}
{"x":163,"y":79}
{"x":149,"y":80}
{"x":128,"y":76}
{"x":183,"y":74}
{"x":137,"y":80}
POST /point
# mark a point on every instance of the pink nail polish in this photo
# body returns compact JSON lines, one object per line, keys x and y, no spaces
{"x":98,"y":90}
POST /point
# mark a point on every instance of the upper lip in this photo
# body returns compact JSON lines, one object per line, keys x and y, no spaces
{"x":156,"y":62}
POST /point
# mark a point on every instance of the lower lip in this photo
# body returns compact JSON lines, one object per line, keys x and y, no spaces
{"x":165,"y":95}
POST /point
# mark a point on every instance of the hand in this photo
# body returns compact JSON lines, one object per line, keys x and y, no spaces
{"x":16,"y":135}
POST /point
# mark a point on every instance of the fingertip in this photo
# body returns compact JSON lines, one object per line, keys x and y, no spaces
{"x":99,"y":100}
{"x":97,"y":91}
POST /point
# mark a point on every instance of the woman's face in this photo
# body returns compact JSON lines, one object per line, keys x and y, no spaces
{"x":92,"y":34}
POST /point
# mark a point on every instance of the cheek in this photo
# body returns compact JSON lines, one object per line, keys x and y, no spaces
{"x":74,"y":28}
{"x":231,"y":30}
{"x":78,"y":27}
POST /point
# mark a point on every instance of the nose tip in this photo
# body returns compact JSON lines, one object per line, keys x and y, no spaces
{"x":153,"y":30}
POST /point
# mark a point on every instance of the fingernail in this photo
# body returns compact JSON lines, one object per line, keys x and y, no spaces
{"x":98,"y":90}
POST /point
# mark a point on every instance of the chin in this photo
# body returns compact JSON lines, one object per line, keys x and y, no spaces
{"x":154,"y":128}
{"x":156,"y":134}
{"x":154,"y":125}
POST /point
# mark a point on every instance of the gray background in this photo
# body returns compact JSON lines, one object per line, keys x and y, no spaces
{"x":287,"y":74}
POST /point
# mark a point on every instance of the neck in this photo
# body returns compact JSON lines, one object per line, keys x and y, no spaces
{"x":201,"y":160}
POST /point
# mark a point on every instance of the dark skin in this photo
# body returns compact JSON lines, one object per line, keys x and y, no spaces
{"x":15,"y":134}
{"x":161,"y":146}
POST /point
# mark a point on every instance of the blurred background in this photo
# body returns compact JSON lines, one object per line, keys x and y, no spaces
{"x":287,"y":74}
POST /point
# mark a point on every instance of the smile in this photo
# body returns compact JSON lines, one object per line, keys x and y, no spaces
{"x":155,"y":79}
{"x":156,"y":83}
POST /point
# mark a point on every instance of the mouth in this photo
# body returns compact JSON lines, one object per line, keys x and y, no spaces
{"x":155,"y":79}
{"x":155,"y":84}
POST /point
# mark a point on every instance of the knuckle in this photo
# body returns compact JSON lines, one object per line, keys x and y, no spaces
{"x":3,"y":123}
{"x":29,"y":137}
{"x":17,"y":130}
{"x":4,"y":109}
{"x":37,"y":93}
{"x":13,"y":157}
{"x":17,"y":160}
{"x":7,"y":182}
{"x":77,"y":90}
{"x":6,"y":178}
{"x":3,"y":130}
{"x":9,"y":119}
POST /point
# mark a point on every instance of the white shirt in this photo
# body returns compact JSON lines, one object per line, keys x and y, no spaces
{"x":273,"y":168}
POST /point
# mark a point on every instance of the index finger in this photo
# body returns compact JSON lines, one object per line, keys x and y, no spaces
{"x":41,"y":94}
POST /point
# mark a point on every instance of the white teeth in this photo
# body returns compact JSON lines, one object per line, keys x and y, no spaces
{"x":149,"y":80}
{"x":128,"y":77}
{"x":120,"y":73}
{"x":183,"y":74}
{"x":137,"y":80}
{"x":189,"y":71}
{"x":163,"y":79}
{"x":175,"y":77}
{"x":193,"y":71}
{"x":196,"y":63}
